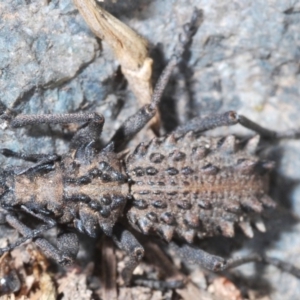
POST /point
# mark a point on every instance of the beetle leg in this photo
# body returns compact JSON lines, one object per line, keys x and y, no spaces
{"x":28,"y":157}
{"x":137,"y":121}
{"x":41,"y":217}
{"x":66,"y":251}
{"x":127,"y":242}
{"x":190,"y":254}
{"x":229,"y":118}
{"x":264,"y":132}
{"x":198,"y":125}
{"x":85,"y":135}
{"x":27,"y":233}
{"x":67,"y":243}
{"x":42,"y":161}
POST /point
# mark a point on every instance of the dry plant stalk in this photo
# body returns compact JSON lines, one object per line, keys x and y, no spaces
{"x":108,"y":270}
{"x":130,"y":48}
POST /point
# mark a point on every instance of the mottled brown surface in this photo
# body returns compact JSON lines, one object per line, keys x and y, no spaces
{"x":106,"y":191}
{"x":91,"y":191}
{"x":196,"y":186}
{"x":40,"y":191}
{"x":186,"y":187}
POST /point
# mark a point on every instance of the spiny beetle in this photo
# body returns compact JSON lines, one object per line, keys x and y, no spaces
{"x":181,"y":187}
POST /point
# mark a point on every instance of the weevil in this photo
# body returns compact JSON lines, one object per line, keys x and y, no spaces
{"x":180,"y":187}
